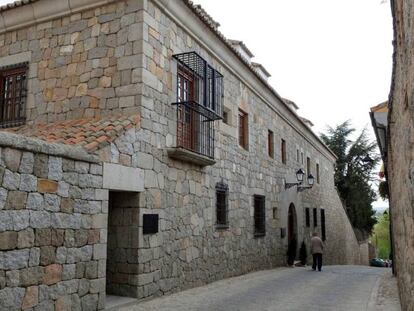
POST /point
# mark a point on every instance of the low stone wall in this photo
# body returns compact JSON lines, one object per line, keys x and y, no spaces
{"x":53,"y":218}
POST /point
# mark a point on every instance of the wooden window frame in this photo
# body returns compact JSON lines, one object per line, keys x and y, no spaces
{"x":270,"y":144}
{"x":13,"y":94}
{"x":222,"y":206}
{"x":283,"y":151}
{"x":259,"y":203}
{"x":243,"y":129}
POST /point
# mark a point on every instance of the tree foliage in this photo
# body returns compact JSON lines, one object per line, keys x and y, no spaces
{"x":381,"y":236}
{"x":354,"y":172}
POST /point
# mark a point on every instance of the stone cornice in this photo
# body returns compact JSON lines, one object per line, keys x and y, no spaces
{"x":42,"y":11}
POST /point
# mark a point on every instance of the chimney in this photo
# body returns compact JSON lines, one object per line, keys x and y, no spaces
{"x":242,"y":49}
{"x":307,"y":122}
{"x":291,"y":104}
{"x":261,"y":70}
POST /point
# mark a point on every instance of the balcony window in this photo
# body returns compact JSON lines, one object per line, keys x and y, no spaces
{"x":13,"y":92}
{"x":199,"y":103}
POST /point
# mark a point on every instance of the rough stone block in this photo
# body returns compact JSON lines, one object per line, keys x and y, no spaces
{"x":47,"y":186}
{"x":53,"y":274}
{"x":31,"y":276}
{"x":13,"y":260}
{"x":11,"y":297}
{"x":12,"y":158}
{"x":40,"y":219}
{"x":11,"y":181}
{"x":8,"y":240}
{"x":26,"y":163}
{"x":34,"y":201}
{"x":16,"y":200}
{"x":47,"y":255}
{"x":55,"y":168}
{"x":13,"y":278}
{"x":28,"y":183}
{"x":25,"y":238}
{"x":51,"y":202}
{"x":19,"y":219}
{"x":41,"y":165}
{"x":89,"y":302}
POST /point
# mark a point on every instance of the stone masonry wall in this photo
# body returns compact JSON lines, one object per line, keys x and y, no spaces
{"x":189,"y":251}
{"x":80,"y":65}
{"x":400,"y":149}
{"x":118,"y":58}
{"x":52,"y":233}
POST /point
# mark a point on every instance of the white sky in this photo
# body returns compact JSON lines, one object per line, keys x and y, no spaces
{"x":332,"y":57}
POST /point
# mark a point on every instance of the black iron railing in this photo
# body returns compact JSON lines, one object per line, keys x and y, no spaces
{"x":195,"y":129}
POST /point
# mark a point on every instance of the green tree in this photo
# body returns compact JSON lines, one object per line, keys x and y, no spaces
{"x":354,"y":172}
{"x":381,"y":236}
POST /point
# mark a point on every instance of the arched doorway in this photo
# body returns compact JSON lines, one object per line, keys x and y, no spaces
{"x":292,"y":235}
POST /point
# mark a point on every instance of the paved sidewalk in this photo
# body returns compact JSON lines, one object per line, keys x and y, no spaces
{"x":336,"y":288}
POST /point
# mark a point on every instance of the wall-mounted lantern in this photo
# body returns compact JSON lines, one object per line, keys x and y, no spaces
{"x":299,"y":176}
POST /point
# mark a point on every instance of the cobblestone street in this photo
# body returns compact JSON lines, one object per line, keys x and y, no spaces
{"x":338,"y":288}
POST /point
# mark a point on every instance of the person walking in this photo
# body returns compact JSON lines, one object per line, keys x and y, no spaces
{"x":317,"y":251}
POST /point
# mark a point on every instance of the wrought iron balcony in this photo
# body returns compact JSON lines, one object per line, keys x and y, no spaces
{"x":199,"y":104}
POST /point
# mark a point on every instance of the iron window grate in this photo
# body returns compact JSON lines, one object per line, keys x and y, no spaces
{"x":222,"y":205}
{"x":259,"y":215}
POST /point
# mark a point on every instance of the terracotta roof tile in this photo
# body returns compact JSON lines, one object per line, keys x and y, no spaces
{"x":90,"y":133}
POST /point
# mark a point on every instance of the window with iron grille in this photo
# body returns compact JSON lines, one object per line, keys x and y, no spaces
{"x":259,"y":215}
{"x":307,"y":212}
{"x":199,"y":103}
{"x":323,"y":229}
{"x":243,"y":129}
{"x":315,"y":217}
{"x":283,"y":151}
{"x":13,"y":81}
{"x":270,"y":143}
{"x":222,"y":205}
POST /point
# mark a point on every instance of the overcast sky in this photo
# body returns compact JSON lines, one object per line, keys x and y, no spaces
{"x":332,"y":57}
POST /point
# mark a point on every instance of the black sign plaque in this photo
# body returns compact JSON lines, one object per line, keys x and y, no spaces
{"x":150,"y":223}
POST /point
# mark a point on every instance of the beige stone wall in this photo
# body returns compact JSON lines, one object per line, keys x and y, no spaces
{"x":81,"y":65}
{"x":400,"y":149}
{"x":118,"y":58}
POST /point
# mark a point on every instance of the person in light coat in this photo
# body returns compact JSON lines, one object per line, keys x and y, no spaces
{"x":317,"y":251}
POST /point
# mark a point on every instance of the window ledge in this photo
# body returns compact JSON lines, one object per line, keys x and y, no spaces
{"x":259,"y":234}
{"x":189,"y":156}
{"x":222,"y":227}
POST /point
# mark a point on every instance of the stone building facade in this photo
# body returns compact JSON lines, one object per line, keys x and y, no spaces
{"x":400,"y":151}
{"x":104,"y":193}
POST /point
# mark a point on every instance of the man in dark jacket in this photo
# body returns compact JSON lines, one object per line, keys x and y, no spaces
{"x":317,"y":251}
